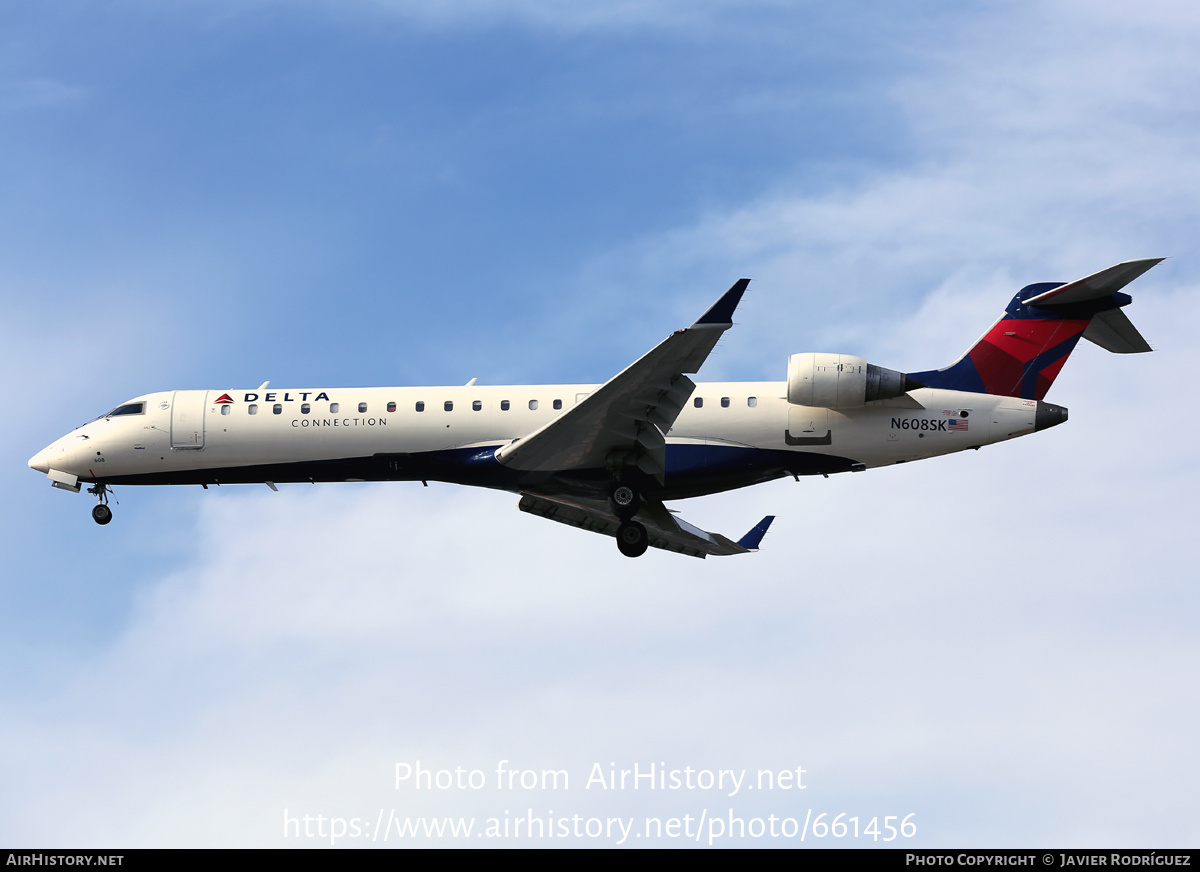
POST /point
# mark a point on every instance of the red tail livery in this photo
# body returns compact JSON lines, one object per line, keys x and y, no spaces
{"x":1023,"y":352}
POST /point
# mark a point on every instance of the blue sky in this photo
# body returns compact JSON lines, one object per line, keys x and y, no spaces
{"x":212,"y":194}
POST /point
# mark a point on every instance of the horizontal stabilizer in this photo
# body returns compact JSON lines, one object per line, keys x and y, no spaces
{"x":1102,"y":284}
{"x":1113,"y":331}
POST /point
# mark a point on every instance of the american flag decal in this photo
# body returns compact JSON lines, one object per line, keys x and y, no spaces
{"x":957,"y":424}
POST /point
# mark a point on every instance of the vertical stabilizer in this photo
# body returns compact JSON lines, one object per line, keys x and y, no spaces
{"x":1023,"y":352}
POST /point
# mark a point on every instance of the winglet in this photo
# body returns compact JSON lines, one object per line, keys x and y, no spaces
{"x":752,"y":539}
{"x":721,"y":312}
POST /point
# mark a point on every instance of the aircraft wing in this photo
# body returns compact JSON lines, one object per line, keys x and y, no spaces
{"x":666,"y":530}
{"x":622,"y":423}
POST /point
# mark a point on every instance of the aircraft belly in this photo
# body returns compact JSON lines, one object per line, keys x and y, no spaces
{"x":459,"y":466}
{"x":697,"y":469}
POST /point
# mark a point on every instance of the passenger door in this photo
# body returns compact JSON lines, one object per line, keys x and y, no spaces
{"x":187,"y":419}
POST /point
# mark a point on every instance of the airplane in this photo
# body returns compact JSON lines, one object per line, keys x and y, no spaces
{"x":607,"y":457}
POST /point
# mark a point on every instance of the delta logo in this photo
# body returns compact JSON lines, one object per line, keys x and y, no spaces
{"x":224,"y":399}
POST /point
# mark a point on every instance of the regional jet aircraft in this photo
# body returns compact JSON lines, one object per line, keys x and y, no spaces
{"x":607,"y":457}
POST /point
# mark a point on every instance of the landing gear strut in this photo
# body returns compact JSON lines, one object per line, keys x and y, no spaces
{"x":101,"y":514}
{"x":632,"y":539}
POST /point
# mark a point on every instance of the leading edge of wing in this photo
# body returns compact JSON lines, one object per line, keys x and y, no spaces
{"x":628,"y":415}
{"x":665,"y":529}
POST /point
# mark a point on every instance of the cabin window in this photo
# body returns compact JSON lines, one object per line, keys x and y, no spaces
{"x":449,"y":406}
{"x":420,"y":405}
{"x":724,"y":402}
{"x":225,"y":410}
{"x":504,"y":405}
{"x":277,"y":409}
{"x":558,"y":404}
{"x":362,"y":407}
{"x":305,"y":408}
{"x":476,"y":405}
{"x":391,"y":407}
{"x":533,"y":405}
{"x":698,"y":402}
{"x":252,"y":408}
{"x":752,"y":401}
{"x":333,"y":408}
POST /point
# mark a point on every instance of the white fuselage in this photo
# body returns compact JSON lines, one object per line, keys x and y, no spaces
{"x":728,"y":434}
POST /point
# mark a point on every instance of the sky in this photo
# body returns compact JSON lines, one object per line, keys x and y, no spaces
{"x":998,"y":648}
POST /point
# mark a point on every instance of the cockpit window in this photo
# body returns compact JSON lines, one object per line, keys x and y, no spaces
{"x":127,"y":409}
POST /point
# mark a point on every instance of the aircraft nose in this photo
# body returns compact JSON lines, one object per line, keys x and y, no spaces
{"x":57,"y":455}
{"x":41,"y":461}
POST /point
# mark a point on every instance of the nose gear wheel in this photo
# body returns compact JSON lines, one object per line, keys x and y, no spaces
{"x":101,"y":513}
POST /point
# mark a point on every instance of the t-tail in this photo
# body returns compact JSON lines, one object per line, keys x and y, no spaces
{"x":1023,"y":352}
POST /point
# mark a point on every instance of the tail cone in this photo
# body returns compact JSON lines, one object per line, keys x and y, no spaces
{"x":1048,"y":415}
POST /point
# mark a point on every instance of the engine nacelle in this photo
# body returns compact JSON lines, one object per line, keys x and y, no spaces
{"x":841,"y":381}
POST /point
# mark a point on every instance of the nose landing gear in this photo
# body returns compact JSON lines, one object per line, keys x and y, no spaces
{"x":101,"y":514}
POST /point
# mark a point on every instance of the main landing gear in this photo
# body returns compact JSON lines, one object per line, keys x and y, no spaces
{"x":101,"y":514}
{"x":625,"y":501}
{"x":632,"y":539}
